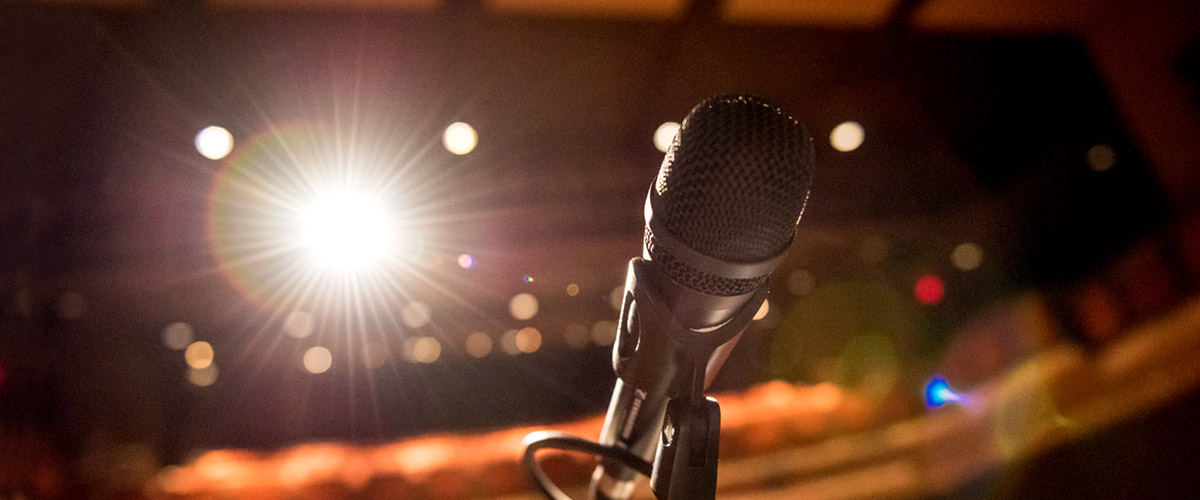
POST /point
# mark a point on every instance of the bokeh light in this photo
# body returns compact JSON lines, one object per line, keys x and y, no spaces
{"x":202,"y":377}
{"x":938,"y":393}
{"x":415,"y":314}
{"x":214,"y":142}
{"x":1101,"y":157}
{"x":572,"y":289}
{"x":508,"y":342}
{"x":177,"y":336}
{"x":199,"y":355}
{"x":869,"y":364}
{"x":616,"y":297}
{"x":523,"y":306}
{"x":825,"y":397}
{"x":528,"y":340}
{"x":299,"y":324}
{"x":317,"y":360}
{"x":966,"y":256}
{"x":466,"y":261}
{"x":929,"y":289}
{"x":460,"y":138}
{"x":478,"y":345}
{"x":425,"y":350}
{"x":665,"y":135}
{"x":847,"y":136}
{"x":604,"y":332}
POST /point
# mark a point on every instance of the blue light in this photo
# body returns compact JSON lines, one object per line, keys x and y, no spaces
{"x":938,"y":393}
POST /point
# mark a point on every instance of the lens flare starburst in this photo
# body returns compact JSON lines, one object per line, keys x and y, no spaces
{"x":301,"y":220}
{"x":346,"y":230}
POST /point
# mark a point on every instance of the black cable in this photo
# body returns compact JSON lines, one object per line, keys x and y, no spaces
{"x":559,"y":441}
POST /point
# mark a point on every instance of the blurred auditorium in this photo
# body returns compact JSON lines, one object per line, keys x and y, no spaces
{"x":359,"y":249}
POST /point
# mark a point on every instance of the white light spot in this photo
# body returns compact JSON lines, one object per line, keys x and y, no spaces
{"x":966,"y":256}
{"x":847,"y":136}
{"x":523,"y":306}
{"x":664,"y":136}
{"x":317,"y":360}
{"x":177,"y":336}
{"x":202,"y":377}
{"x":415,"y":314}
{"x":1101,"y":157}
{"x":299,"y":324}
{"x":479,"y":345}
{"x":460,"y":138}
{"x":425,"y":350}
{"x":199,"y":355}
{"x":347,"y":231}
{"x":214,"y":142}
{"x":466,"y":261}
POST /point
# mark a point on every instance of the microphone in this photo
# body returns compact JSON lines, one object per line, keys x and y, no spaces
{"x":720,"y":217}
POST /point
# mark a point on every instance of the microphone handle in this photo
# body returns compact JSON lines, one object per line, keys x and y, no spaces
{"x":656,"y":357}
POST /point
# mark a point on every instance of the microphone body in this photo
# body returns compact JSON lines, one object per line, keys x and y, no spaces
{"x":720,"y":217}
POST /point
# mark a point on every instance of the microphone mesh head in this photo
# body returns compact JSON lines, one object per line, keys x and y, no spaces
{"x":732,"y":187}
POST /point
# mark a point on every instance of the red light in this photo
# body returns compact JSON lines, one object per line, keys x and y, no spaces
{"x":929,"y":290}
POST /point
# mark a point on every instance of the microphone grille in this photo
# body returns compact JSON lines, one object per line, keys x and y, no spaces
{"x":733,"y":185}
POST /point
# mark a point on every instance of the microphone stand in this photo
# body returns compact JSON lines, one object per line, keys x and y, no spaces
{"x":655,"y":352}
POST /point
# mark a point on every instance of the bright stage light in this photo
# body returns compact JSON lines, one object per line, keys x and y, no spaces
{"x":214,"y":142}
{"x":460,"y":138}
{"x":327,"y":231}
{"x":665,"y":135}
{"x":346,"y":231}
{"x":847,"y":136}
{"x":317,"y":360}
